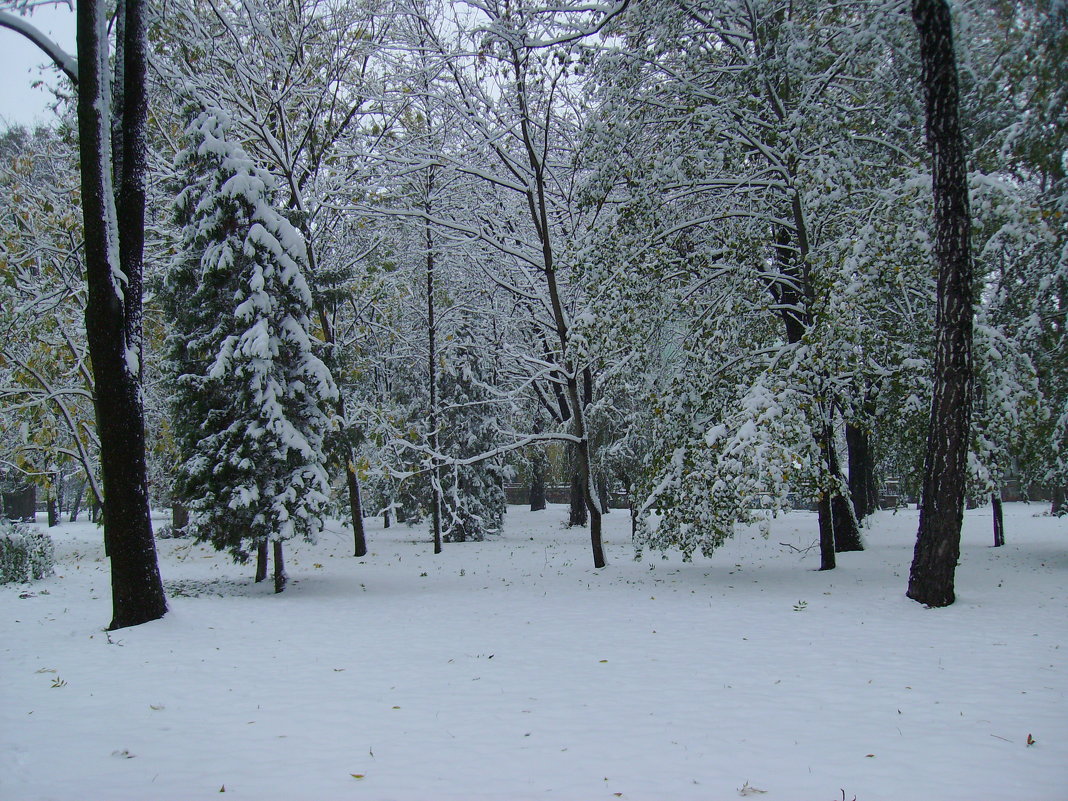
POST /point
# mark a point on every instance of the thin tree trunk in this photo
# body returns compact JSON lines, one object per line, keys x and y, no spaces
{"x":113,"y":307}
{"x":578,"y":513}
{"x":359,"y":537}
{"x":76,"y":503}
{"x":387,"y":518}
{"x":536,"y":496}
{"x":938,"y":540}
{"x":50,"y":503}
{"x":279,"y":568}
{"x":999,"y":519}
{"x":432,"y":378}
{"x":261,"y":561}
{"x":826,"y":521}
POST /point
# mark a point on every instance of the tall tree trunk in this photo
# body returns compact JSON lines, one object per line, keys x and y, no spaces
{"x":359,"y":537}
{"x":113,"y":253}
{"x":432,"y":378}
{"x":261,"y":561}
{"x":999,"y":519}
{"x":862,"y":489}
{"x":279,"y":568}
{"x":934,"y":561}
{"x":826,"y":522}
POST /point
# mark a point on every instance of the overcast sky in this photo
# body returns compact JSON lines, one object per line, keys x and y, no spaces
{"x":20,"y":68}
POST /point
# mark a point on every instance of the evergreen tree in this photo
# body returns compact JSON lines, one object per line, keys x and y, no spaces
{"x":249,"y":395}
{"x":472,"y":495}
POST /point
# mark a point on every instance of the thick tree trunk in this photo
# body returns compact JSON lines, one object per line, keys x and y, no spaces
{"x":113,"y":311}
{"x":261,"y":561}
{"x":387,"y":518}
{"x":179,"y":517}
{"x":938,"y":540}
{"x":863,"y":491}
{"x":1057,"y":506}
{"x":359,"y":537}
{"x":999,"y":519}
{"x":279,"y":568}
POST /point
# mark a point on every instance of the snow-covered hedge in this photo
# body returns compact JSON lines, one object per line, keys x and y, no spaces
{"x":25,"y":554}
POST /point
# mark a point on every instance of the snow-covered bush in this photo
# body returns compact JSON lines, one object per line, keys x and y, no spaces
{"x":25,"y":554}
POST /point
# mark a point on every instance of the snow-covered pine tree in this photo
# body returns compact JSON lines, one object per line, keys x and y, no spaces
{"x":472,"y":495}
{"x":249,"y":395}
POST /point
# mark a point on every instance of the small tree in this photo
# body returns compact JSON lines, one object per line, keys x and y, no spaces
{"x":249,"y":395}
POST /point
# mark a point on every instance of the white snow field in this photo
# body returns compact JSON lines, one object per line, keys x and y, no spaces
{"x":511,"y":669}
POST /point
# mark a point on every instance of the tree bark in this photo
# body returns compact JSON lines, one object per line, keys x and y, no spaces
{"x":826,"y":522}
{"x":113,"y":308}
{"x":261,"y":561}
{"x":578,"y":513}
{"x":934,"y":561}
{"x":862,"y":489}
{"x":999,"y":519}
{"x":1057,"y":506}
{"x":359,"y":537}
{"x":280,"y":578}
{"x":846,"y":532}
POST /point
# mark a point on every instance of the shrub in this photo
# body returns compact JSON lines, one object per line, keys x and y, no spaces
{"x":25,"y":554}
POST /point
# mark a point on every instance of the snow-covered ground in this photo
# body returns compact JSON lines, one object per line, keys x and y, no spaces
{"x":511,"y":669}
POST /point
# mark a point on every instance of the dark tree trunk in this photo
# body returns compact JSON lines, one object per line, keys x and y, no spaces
{"x":1057,"y":506}
{"x":113,"y":308}
{"x":179,"y":517}
{"x":359,"y":537}
{"x":536,"y":496}
{"x":826,"y":518}
{"x":279,"y":568}
{"x":863,"y":491}
{"x":934,"y":561}
{"x":261,"y":561}
{"x":999,"y":519}
{"x":52,"y":505}
{"x":387,"y":518}
{"x":76,"y":502}
{"x":577,"y":516}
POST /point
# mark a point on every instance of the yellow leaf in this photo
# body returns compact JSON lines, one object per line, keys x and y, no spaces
{"x":356,"y":775}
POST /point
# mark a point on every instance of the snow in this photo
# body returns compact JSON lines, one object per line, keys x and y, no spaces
{"x":511,"y":669}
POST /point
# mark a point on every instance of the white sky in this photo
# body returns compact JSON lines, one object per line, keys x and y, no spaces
{"x":21,"y":65}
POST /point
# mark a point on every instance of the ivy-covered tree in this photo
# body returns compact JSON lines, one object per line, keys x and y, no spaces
{"x":249,"y":395}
